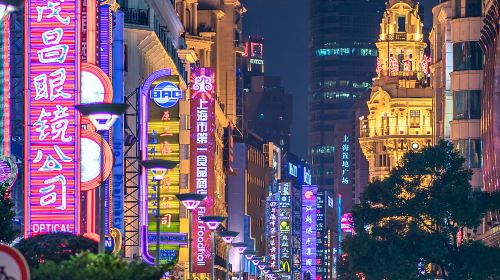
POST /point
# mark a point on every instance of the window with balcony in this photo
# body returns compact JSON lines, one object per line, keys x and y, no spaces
{"x":467,"y":105}
{"x":467,"y":56}
{"x":473,"y":8}
{"x":401,"y":24}
{"x":414,"y":119}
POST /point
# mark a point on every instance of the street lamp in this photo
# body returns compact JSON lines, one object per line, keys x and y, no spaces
{"x":158,"y":168}
{"x":249,"y":256}
{"x":213,"y":222}
{"x":7,"y":6}
{"x":191,"y":201}
{"x":102,"y":116}
{"x":228,"y":237}
{"x":240,"y":247}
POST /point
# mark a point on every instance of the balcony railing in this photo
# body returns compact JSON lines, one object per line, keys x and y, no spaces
{"x":366,"y":132}
{"x":136,"y":16}
{"x":397,"y":37}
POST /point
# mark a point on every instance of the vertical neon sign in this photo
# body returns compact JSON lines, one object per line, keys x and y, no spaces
{"x":272,"y":232}
{"x":52,"y":82}
{"x":346,"y":147}
{"x":309,"y":209}
{"x":160,"y":140}
{"x":284,"y":228}
{"x":202,"y":152}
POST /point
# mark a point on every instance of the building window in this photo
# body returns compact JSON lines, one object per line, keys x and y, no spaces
{"x":470,"y":149}
{"x":473,"y":8}
{"x":414,"y":119}
{"x":467,"y":56}
{"x":467,"y":105}
{"x":401,"y":24}
{"x":458,"y":8}
{"x":125,"y":58}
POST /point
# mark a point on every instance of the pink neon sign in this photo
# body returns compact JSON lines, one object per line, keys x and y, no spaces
{"x":52,"y":191}
{"x":202,"y":161}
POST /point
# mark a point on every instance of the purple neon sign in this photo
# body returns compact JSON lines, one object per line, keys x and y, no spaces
{"x":309,"y":209}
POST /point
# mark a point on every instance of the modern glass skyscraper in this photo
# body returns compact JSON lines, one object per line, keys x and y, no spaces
{"x":343,"y":61}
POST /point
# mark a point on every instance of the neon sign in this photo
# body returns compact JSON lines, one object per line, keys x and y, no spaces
{"x":307,"y":176}
{"x":202,"y":153}
{"x":272,"y":232}
{"x":309,"y":209}
{"x":346,"y":146}
{"x":292,"y":170}
{"x":346,"y":223}
{"x":160,"y":129}
{"x":284,"y":228}
{"x":52,"y":191}
{"x":424,"y":64}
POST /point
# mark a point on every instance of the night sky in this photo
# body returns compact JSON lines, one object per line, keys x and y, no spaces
{"x":284,"y":24}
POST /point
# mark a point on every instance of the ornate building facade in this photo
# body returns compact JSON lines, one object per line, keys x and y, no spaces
{"x":400,"y":104}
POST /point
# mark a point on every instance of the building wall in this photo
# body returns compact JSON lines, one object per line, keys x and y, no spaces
{"x":466,"y":84}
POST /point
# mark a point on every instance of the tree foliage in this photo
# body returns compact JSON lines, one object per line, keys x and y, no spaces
{"x":7,"y":231}
{"x":56,"y":247}
{"x":407,"y":225}
{"x":96,"y":267}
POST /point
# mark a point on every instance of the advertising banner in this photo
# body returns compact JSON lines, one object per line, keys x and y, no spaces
{"x":309,"y":209}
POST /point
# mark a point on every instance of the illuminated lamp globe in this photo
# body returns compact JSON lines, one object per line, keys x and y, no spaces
{"x":191,"y":200}
{"x":102,"y":115}
{"x":262,"y":265}
{"x":8,"y":6}
{"x":240,"y":247}
{"x":266,"y":271}
{"x":255,"y":262}
{"x":249,"y":255}
{"x":213,"y":222}
{"x":227,"y":236}
{"x":158,"y":167}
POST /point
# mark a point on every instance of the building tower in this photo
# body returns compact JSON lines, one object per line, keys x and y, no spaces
{"x":343,"y":58}
{"x":400,"y":103}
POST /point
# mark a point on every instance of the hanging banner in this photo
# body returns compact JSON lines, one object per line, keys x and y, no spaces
{"x":52,"y":46}
{"x":202,"y":153}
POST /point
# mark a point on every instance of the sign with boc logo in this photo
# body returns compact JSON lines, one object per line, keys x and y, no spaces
{"x":166,"y":94}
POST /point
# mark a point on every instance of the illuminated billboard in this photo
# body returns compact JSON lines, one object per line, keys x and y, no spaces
{"x":285,"y":227}
{"x":272,"y":226}
{"x":52,"y":82}
{"x":202,"y":153}
{"x":309,"y":209}
{"x":160,"y":126}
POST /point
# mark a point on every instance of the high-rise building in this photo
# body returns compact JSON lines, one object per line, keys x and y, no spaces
{"x":457,"y":75}
{"x":490,"y":113}
{"x":400,"y":105}
{"x":268,"y":110}
{"x":343,"y":58}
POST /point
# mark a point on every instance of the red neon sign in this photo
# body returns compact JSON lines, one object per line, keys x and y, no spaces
{"x":52,"y":191}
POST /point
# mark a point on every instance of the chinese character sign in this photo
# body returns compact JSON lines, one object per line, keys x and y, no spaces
{"x":285,"y":228}
{"x":202,"y":153}
{"x":309,"y":209}
{"x":52,"y":81}
{"x":346,"y":223}
{"x":345,"y":150}
{"x":272,"y":233}
{"x":161,"y":123}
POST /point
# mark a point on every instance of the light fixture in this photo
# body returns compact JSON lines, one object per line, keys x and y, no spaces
{"x":262,"y":266}
{"x":212,"y":222}
{"x":8,"y":6}
{"x":228,"y":236}
{"x":249,"y":255}
{"x":191,"y":200}
{"x":102,"y":115}
{"x":158,"y":167}
{"x":240,"y":247}
{"x":255,"y":262}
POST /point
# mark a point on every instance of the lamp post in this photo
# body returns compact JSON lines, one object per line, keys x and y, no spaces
{"x":102,"y":116}
{"x":240,"y":248}
{"x":249,"y":256}
{"x":228,"y":237}
{"x":191,"y":201}
{"x":213,"y":222}
{"x":7,"y":6}
{"x":158,"y":168}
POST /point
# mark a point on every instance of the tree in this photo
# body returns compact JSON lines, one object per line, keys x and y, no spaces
{"x":7,"y":231}
{"x":409,"y":225}
{"x":54,"y":247}
{"x":96,"y":267}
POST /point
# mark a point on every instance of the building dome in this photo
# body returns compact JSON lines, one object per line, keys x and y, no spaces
{"x":393,"y":2}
